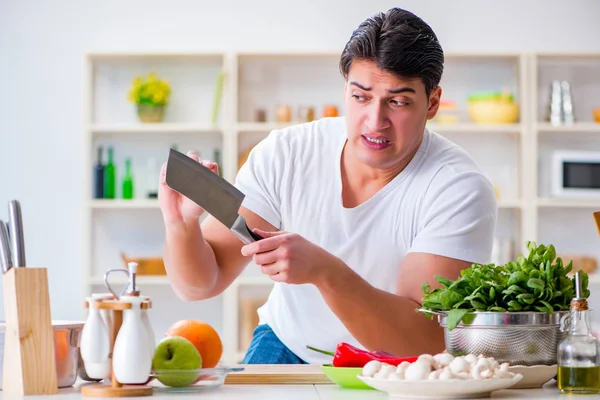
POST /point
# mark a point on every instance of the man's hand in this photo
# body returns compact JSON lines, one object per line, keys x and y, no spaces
{"x":289,"y":258}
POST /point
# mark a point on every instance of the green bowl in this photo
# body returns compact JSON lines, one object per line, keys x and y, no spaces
{"x":345,"y":377}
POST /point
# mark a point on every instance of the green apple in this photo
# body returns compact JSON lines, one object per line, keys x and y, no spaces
{"x":179,"y":355}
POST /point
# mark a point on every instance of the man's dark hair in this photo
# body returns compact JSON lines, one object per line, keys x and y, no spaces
{"x":400,"y":43}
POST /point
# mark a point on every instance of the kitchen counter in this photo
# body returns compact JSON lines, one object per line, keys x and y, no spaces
{"x":311,"y":392}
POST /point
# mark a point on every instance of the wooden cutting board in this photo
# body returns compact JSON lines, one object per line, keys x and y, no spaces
{"x":278,"y":374}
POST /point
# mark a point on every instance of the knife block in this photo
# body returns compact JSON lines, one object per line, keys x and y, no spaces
{"x":29,"y":361}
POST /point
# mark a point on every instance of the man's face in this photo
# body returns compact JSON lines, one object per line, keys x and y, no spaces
{"x":386,"y":115}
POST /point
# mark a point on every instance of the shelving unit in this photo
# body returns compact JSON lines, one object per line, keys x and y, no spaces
{"x":507,"y":153}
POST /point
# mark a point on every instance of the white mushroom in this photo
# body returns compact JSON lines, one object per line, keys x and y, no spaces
{"x":463,"y":375}
{"x":446,"y":374}
{"x":429,"y":359}
{"x":443,"y":359}
{"x":487,"y":373}
{"x":419,"y":370}
{"x":401,"y":369}
{"x":471,"y":358}
{"x":394,"y":376}
{"x":483,"y":362}
{"x":476,"y":371}
{"x":371,"y":368}
{"x":435,"y":375}
{"x":458,"y":365}
{"x":385,"y":371}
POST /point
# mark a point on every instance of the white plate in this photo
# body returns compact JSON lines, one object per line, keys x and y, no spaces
{"x":534,"y":376}
{"x":451,"y":389}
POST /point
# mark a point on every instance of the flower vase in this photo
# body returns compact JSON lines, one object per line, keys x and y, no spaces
{"x":151,"y":113}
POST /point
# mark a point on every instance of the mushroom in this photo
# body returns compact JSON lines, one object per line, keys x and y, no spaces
{"x":429,"y":359}
{"x":401,"y":369}
{"x":394,"y":376}
{"x":471,"y":358}
{"x":443,"y":359}
{"x":458,"y":365}
{"x":435,"y":375}
{"x":371,"y":368}
{"x":446,"y":374}
{"x":419,"y":370}
{"x":484,"y":363}
{"x":385,"y":371}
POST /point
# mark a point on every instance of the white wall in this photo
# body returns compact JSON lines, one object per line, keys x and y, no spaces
{"x":42,"y":44}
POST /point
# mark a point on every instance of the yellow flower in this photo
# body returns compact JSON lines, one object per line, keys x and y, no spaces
{"x":152,"y":90}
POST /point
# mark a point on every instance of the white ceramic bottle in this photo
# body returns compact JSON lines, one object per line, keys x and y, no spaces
{"x":132,"y":362}
{"x":107,"y":318}
{"x":148,"y":327}
{"x":95,"y":344}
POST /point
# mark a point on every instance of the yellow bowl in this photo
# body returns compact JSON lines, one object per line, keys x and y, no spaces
{"x":493,"y":112}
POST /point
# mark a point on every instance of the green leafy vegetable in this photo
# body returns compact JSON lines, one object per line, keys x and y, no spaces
{"x":538,"y":282}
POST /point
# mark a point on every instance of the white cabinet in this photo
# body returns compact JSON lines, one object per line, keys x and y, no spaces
{"x":255,"y":86}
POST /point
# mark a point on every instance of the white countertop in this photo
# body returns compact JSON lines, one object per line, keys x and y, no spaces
{"x":311,"y":392}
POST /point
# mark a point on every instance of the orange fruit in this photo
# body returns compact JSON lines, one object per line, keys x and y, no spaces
{"x":203,"y":336}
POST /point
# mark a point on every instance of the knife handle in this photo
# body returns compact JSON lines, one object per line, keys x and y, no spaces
{"x":16,"y":233}
{"x":5,"y":256}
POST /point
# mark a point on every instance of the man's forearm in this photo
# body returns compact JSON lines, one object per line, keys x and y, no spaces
{"x":377,"y":319}
{"x":190,"y":262}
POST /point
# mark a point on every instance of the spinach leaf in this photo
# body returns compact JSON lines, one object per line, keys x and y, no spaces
{"x":536,"y":282}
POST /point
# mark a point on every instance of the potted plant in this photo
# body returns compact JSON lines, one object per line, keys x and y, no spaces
{"x":151,"y":96}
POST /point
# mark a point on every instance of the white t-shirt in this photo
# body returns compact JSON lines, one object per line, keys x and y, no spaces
{"x":440,"y":204}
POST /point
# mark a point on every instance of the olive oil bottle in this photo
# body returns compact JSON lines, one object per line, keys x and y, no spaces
{"x":579,"y":353}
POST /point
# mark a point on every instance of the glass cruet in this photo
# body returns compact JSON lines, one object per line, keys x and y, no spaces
{"x":579,"y":352}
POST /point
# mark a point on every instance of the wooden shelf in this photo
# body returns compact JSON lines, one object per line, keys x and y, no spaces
{"x":158,"y":128}
{"x":469,"y":127}
{"x":259,"y":280}
{"x":509,"y":203}
{"x":578,"y":127}
{"x":568,"y":203}
{"x":466,"y":127}
{"x":102,"y":204}
{"x":139,"y":279}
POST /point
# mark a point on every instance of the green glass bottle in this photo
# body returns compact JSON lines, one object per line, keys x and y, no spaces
{"x":217,"y":157}
{"x":127,"y":188}
{"x":109,"y":176}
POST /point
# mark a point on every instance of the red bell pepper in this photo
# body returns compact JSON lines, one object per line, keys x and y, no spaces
{"x":347,"y":356}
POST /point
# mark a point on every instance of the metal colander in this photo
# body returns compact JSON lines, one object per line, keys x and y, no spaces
{"x":520,"y":338}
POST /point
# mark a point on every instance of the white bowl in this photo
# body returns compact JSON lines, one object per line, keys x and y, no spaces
{"x":534,"y":376}
{"x":436,"y":389}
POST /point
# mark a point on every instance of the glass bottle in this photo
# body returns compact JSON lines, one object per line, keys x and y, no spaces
{"x":127,"y":189}
{"x":109,"y":176}
{"x":579,"y":352}
{"x":153,"y":178}
{"x":99,"y":176}
{"x":217,"y":157}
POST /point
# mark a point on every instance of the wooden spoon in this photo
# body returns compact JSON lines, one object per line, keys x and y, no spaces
{"x":597,"y":219}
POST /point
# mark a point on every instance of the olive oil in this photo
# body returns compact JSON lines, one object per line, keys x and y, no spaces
{"x":578,"y":354}
{"x":579,"y":379}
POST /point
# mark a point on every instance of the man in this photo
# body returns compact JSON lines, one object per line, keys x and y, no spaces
{"x":356,"y":213}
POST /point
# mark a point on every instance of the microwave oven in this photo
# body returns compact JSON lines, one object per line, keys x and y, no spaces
{"x":576,"y":174}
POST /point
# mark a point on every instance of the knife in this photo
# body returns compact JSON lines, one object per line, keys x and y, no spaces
{"x":16,"y":233}
{"x":214,"y":194}
{"x":5,"y":256}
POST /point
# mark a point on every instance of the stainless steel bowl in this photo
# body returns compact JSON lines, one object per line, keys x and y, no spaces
{"x":520,"y":338}
{"x":66,"y":364}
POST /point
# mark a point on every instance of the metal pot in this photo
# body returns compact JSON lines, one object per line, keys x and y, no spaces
{"x":520,"y":338}
{"x":66,"y":344}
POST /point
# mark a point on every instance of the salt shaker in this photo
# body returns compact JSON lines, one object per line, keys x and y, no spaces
{"x":95,"y":344}
{"x":132,"y":362}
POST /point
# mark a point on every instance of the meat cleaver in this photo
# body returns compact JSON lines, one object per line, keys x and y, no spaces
{"x":214,"y":194}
